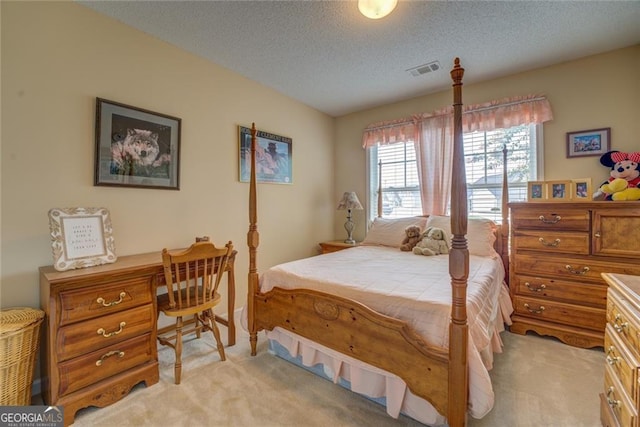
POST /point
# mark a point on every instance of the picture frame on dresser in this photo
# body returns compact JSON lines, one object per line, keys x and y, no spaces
{"x":584,"y":143}
{"x":136,"y":147}
{"x":558,"y":191}
{"x":581,"y":190}
{"x":81,"y":237}
{"x":536,"y":191}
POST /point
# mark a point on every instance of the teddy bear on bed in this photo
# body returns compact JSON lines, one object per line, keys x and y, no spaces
{"x":433,"y":242}
{"x":624,"y":180}
{"x":413,"y":234}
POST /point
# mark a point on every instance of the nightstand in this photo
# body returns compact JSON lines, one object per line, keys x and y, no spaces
{"x":335,"y":246}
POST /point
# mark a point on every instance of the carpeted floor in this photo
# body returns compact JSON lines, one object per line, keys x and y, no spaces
{"x":538,"y":382}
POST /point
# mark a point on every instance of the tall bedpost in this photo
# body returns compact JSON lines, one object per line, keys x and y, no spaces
{"x":504,"y":251}
{"x":253,"y":239}
{"x":458,"y":267}
{"x":380,"y":189}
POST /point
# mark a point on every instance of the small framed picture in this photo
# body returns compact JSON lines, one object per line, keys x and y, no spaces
{"x":136,"y":147}
{"x":81,"y":237}
{"x":581,"y":189}
{"x":558,"y":191}
{"x":584,"y":143}
{"x":536,"y":191}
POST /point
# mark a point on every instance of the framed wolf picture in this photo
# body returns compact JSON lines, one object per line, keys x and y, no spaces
{"x":136,"y":147}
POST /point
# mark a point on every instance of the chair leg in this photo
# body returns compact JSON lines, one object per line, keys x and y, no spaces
{"x":178,"y":348}
{"x":216,"y":333}
{"x":196,"y":320}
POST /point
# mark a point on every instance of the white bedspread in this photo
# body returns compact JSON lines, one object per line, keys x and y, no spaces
{"x":413,"y":288}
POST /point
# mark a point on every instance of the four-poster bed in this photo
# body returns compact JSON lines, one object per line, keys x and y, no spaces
{"x":435,"y":369}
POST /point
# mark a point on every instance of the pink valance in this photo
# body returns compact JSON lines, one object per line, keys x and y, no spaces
{"x":500,"y":114}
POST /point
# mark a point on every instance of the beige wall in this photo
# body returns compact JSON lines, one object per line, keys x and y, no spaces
{"x":594,"y":92}
{"x":57,"y":57}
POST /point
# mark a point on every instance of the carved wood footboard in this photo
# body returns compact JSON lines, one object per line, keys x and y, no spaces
{"x":354,"y":329}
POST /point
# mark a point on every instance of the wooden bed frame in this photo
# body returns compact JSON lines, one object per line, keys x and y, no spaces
{"x":436,"y":374}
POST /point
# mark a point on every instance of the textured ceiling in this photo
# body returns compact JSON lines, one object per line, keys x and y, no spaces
{"x":328,"y":56}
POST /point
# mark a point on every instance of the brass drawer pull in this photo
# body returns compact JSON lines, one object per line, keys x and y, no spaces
{"x":554,"y":244}
{"x":532,"y":310}
{"x":538,"y":289}
{"x":612,"y":402}
{"x":618,"y":324}
{"x":582,"y":272}
{"x":612,"y":360}
{"x":109,"y":304}
{"x":550,"y":221}
{"x":106,"y":334}
{"x":109,"y":354}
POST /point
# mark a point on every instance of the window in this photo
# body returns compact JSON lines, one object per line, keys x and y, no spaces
{"x":483,"y":160}
{"x":400,"y":185}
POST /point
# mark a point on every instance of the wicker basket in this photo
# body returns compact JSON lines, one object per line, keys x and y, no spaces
{"x":19,"y":341}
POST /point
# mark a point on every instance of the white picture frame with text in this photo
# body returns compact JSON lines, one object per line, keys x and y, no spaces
{"x":81,"y":237}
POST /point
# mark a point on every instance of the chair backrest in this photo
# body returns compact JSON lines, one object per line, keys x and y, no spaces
{"x":195,"y":272}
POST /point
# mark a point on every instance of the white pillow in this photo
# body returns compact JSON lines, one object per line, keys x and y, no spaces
{"x":390,"y":232}
{"x":480,"y":235}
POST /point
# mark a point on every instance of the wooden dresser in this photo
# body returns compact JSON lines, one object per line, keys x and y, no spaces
{"x":620,"y":400}
{"x":100,"y":334}
{"x":558,"y":253}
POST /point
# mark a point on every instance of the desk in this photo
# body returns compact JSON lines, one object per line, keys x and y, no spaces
{"x":100,"y":330}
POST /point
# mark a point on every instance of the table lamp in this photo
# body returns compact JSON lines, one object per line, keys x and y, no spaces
{"x":349,"y":201}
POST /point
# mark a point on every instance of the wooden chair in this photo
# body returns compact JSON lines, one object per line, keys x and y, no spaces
{"x":192,"y":276}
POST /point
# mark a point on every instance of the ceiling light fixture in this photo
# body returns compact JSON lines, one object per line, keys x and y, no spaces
{"x":376,"y":9}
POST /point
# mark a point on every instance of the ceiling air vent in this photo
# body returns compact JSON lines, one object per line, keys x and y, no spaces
{"x":424,"y":69}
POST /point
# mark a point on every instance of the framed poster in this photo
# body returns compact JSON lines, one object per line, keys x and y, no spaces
{"x":136,"y":147}
{"x":81,"y":237}
{"x":274,"y":157}
{"x":594,"y":142}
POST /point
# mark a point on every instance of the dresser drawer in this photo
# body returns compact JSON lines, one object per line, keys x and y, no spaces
{"x":618,"y":400}
{"x":551,"y":241}
{"x":623,"y":320}
{"x":562,"y":290}
{"x":551,"y":218}
{"x":622,"y":362}
{"x":578,"y":269}
{"x":558,"y":312}
{"x":82,"y":337}
{"x":98,"y":365}
{"x":80,"y":304}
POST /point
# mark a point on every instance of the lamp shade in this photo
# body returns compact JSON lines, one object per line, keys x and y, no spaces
{"x":376,"y":9}
{"x":349,"y":201}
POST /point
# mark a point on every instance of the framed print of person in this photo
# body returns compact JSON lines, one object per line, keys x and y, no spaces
{"x":274,"y":156}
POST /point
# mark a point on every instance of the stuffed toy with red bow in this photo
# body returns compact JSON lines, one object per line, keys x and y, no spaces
{"x":624,"y":179}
